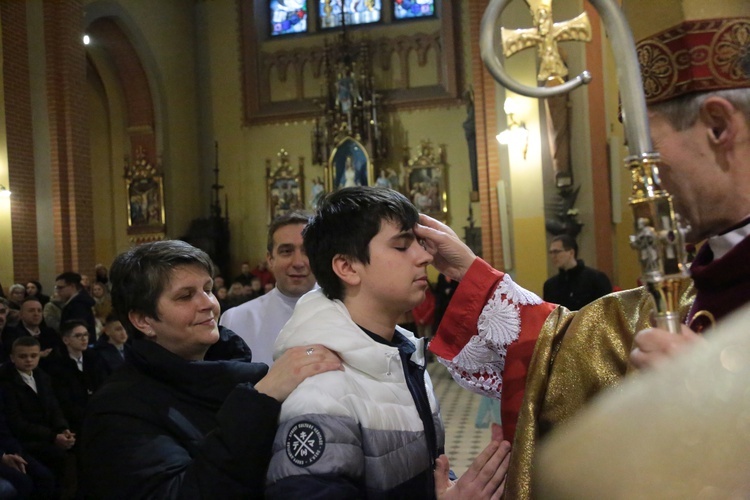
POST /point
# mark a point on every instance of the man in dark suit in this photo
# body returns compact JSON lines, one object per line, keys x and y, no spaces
{"x":30,"y":324}
{"x":77,"y":302}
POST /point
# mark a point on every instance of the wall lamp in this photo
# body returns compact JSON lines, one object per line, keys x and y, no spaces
{"x":516,"y":133}
{"x":4,"y":192}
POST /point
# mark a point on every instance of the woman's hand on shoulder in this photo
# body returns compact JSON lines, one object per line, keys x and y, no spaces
{"x":294,"y":366}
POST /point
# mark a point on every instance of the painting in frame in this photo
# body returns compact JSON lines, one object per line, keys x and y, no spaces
{"x":349,"y":165}
{"x":144,"y":186}
{"x":425,"y":183}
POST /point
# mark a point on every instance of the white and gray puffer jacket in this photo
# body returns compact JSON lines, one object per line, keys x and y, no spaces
{"x":360,"y":432}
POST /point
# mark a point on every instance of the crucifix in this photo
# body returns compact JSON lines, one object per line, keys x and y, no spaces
{"x":544,"y":35}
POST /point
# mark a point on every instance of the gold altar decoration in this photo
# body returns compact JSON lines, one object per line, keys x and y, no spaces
{"x":350,"y":120}
{"x":285,"y":186}
{"x":425,"y":178}
{"x":144,"y":185}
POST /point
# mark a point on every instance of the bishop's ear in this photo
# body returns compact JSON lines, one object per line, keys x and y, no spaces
{"x":720,"y":117}
{"x":346,"y":269}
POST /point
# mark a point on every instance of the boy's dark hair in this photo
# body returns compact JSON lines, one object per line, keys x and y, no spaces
{"x":346,"y":221}
{"x":111,"y":318}
{"x":287,"y":219}
{"x":67,"y":327}
{"x":25,"y":341}
{"x":139,"y":276}
{"x":568,"y":243}
{"x":70,"y":278}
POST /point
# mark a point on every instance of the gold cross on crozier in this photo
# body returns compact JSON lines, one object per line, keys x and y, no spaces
{"x":544,"y":35}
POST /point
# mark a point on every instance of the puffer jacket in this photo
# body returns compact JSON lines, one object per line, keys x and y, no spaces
{"x":368,"y":431}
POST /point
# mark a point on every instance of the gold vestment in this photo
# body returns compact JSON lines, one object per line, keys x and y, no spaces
{"x":578,"y":354}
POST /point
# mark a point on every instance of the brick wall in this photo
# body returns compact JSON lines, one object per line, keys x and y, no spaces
{"x":69,"y":136}
{"x":488,"y":159}
{"x":20,"y":140}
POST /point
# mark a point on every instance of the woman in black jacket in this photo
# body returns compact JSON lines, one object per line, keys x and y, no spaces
{"x":170,"y":424}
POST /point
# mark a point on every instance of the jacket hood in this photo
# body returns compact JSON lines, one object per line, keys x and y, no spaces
{"x":319,"y":320}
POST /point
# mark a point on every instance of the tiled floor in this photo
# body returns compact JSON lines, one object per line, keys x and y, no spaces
{"x":463,"y":441}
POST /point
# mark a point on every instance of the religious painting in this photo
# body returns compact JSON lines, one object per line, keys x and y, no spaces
{"x":145,"y":195}
{"x":288,"y":17}
{"x":285,"y":186}
{"x":354,"y":12}
{"x":412,"y":9}
{"x":349,"y":165}
{"x":425,"y":183}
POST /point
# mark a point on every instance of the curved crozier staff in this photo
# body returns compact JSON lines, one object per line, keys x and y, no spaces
{"x":659,"y":235}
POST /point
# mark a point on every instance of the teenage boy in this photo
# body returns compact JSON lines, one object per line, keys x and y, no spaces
{"x":32,"y":410}
{"x":111,"y":346}
{"x":76,"y":373}
{"x":372,"y":429}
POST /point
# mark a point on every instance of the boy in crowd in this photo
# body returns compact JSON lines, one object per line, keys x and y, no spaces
{"x":76,"y":373}
{"x":372,"y":429}
{"x":112,"y":345}
{"x":33,"y":412}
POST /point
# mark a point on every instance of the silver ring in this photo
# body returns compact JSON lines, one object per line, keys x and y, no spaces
{"x":310,"y":350}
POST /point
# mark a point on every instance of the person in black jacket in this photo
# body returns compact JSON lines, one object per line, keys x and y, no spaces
{"x":32,"y":410}
{"x":77,"y":303}
{"x":76,"y":373}
{"x":22,"y":476}
{"x":168,"y":423}
{"x":31,"y":324}
{"x":111,"y":344}
{"x":575,"y":285}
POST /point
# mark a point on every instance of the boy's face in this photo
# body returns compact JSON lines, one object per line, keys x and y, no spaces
{"x":25,"y":358}
{"x":395,"y":280}
{"x":116,"y":332}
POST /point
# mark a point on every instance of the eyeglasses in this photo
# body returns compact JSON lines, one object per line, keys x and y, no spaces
{"x":60,"y":287}
{"x":556,"y":251}
{"x":80,"y":336}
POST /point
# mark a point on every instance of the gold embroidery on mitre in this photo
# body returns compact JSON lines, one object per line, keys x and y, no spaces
{"x":730,"y":46}
{"x":695,"y":56}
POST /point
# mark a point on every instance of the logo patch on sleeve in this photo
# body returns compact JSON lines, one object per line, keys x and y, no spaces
{"x":305,"y":444}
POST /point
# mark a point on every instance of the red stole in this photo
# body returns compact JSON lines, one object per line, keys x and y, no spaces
{"x":722,"y":285}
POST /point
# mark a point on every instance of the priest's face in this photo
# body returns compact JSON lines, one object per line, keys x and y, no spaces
{"x":288,"y":261}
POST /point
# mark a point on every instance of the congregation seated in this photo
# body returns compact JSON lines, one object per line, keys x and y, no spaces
{"x":32,"y":410}
{"x":31,"y":325}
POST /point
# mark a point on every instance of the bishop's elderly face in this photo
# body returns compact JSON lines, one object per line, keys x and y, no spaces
{"x":704,"y":191}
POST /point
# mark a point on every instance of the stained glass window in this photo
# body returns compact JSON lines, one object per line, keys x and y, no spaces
{"x":355,"y":12}
{"x":409,"y":9}
{"x":288,"y":16}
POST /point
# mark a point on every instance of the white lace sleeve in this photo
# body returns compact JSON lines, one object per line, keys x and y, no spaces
{"x":479,"y":366}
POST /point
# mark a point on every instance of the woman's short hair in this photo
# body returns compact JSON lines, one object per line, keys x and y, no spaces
{"x":139,"y":276}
